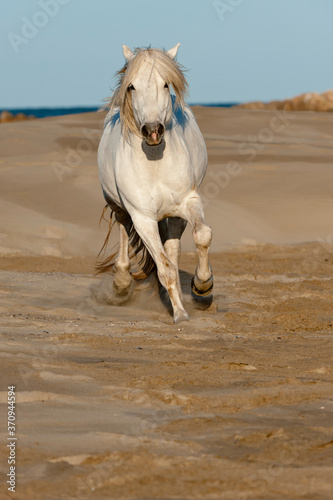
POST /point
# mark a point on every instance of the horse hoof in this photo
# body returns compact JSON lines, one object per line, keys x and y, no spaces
{"x":202,"y":288}
{"x":123,"y":283}
{"x":107,"y":293}
{"x":181,"y":316}
{"x":122,"y":291}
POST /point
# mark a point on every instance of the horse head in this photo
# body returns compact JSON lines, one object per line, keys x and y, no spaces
{"x":143,"y":93}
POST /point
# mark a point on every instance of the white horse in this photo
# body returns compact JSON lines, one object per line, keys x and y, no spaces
{"x":152,"y":158}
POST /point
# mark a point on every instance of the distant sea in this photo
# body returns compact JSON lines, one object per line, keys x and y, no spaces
{"x":44,"y":112}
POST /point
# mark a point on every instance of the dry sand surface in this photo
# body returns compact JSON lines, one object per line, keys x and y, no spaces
{"x":117,"y":402}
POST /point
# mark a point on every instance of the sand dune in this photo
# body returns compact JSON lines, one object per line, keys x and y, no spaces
{"x":310,"y":101}
{"x":269,"y":180}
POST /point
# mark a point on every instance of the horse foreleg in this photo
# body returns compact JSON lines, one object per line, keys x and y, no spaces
{"x":175,"y":229}
{"x":122,"y":279}
{"x":166,"y":270}
{"x":202,"y":282}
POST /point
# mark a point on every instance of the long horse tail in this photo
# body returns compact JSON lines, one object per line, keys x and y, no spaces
{"x":146,"y":264}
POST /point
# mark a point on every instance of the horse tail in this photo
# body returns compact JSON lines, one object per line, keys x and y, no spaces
{"x":146,"y":264}
{"x":107,"y":264}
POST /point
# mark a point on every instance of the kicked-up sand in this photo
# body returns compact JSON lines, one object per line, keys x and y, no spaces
{"x":117,"y":401}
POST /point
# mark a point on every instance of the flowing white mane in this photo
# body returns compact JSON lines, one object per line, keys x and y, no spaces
{"x":169,"y":69}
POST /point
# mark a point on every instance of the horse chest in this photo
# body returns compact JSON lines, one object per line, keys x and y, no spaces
{"x":160,"y":192}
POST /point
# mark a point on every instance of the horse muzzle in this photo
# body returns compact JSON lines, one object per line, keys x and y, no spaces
{"x":153,"y":133}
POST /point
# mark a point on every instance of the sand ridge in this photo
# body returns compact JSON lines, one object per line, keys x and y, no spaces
{"x":269,"y":180}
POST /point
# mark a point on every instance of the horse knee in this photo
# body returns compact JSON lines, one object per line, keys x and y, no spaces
{"x":202,"y":235}
{"x":121,"y":267}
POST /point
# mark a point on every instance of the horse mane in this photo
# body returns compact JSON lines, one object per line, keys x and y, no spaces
{"x":169,"y":69}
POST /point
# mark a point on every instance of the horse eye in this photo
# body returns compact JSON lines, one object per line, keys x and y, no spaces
{"x":166,"y":86}
{"x":130,"y":87}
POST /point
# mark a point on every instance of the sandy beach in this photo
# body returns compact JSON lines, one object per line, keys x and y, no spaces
{"x":118,"y":402}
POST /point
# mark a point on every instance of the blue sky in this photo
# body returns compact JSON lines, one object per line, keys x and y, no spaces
{"x":235,"y":50}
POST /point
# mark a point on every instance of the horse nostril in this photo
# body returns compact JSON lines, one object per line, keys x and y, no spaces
{"x":144,"y":131}
{"x":160,"y":129}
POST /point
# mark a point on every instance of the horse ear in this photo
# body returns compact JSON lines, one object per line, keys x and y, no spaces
{"x":173,"y":52}
{"x":128,"y":54}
